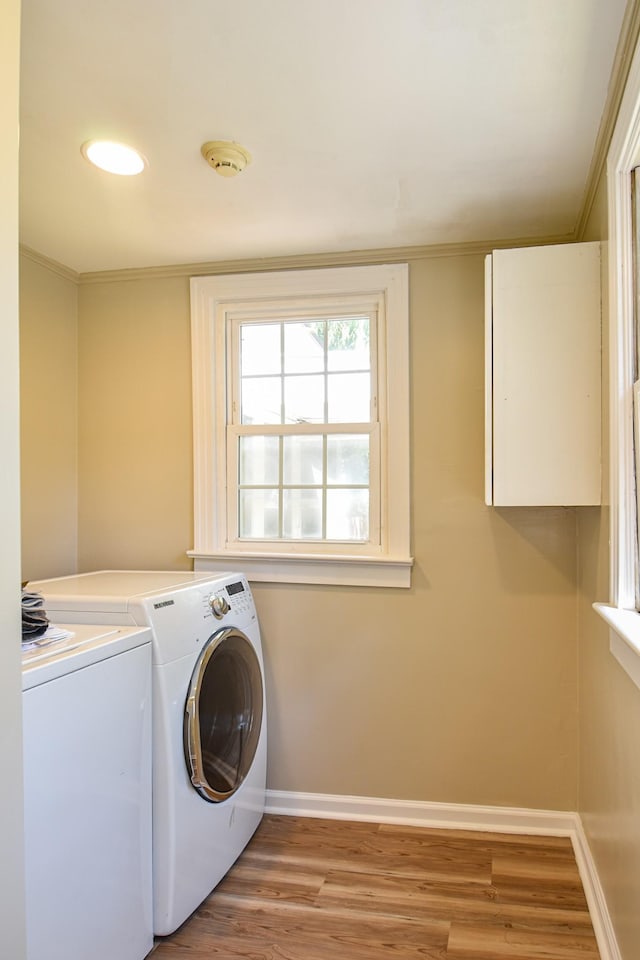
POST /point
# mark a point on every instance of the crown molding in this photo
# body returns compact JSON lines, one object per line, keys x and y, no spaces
{"x":629,"y":33}
{"x":348,"y":258}
{"x":52,"y":265}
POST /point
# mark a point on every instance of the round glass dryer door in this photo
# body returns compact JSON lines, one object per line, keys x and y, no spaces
{"x":223,"y":715}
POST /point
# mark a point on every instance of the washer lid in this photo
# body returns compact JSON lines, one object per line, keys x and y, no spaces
{"x":87,"y":644}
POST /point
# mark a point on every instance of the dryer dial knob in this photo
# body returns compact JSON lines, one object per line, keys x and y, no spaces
{"x":219,"y":606}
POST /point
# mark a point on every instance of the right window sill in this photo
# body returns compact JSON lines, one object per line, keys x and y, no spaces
{"x":624,"y":637}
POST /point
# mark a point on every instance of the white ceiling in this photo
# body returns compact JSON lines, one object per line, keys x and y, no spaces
{"x":372,"y":123}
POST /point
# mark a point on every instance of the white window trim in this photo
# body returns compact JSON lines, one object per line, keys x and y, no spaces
{"x":621,"y":613}
{"x":212,"y":298}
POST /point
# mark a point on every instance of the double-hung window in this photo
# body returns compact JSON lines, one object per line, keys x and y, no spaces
{"x":622,"y":612}
{"x":303,"y":436}
{"x":301,"y":412}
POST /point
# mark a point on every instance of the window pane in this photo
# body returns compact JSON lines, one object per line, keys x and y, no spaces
{"x":349,"y":399}
{"x":635,"y":219}
{"x":260,"y":349}
{"x":304,"y":347}
{"x":302,"y":511}
{"x":348,"y":344}
{"x":261,"y":400}
{"x":259,"y":460}
{"x":258,"y":514}
{"x":304,"y":399}
{"x":303,"y":460}
{"x":348,"y":459}
{"x":347,"y":514}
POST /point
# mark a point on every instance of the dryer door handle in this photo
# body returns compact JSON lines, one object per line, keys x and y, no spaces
{"x":192,"y":740}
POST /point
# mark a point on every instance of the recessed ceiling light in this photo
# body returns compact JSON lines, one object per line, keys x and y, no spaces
{"x":114,"y":157}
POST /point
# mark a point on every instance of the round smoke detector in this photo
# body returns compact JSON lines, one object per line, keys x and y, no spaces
{"x":226,"y":158}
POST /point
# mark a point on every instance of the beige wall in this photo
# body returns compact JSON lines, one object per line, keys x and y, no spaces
{"x":48,"y":417}
{"x":135,"y":429}
{"x":609,"y":764}
{"x":12,"y":905}
{"x":461,"y":689}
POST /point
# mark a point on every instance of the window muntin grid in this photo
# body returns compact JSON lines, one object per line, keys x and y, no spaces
{"x":304,"y":437}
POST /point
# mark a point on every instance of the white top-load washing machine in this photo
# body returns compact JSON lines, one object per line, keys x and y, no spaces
{"x":209,"y":727}
{"x":87,"y":779}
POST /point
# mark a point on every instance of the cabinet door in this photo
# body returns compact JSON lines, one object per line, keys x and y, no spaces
{"x":543,"y":364}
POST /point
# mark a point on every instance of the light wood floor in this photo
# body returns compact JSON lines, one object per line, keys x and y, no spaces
{"x":309,"y":889}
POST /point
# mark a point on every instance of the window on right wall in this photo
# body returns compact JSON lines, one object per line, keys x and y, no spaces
{"x":622,"y":612}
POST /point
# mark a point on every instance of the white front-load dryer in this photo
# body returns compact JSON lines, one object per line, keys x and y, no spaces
{"x":209,"y":716}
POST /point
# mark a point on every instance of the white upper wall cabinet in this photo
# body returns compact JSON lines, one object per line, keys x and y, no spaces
{"x":542,"y":367}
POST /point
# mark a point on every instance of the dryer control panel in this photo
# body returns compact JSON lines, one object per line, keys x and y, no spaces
{"x":235,"y":597}
{"x":219,"y":605}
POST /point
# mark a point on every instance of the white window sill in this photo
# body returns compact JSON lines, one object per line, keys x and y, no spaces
{"x":624,"y":637}
{"x":292,"y":568}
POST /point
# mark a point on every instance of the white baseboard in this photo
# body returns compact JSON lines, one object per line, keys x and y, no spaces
{"x":600,"y":917}
{"x":460,"y":816}
{"x":422,"y":813}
